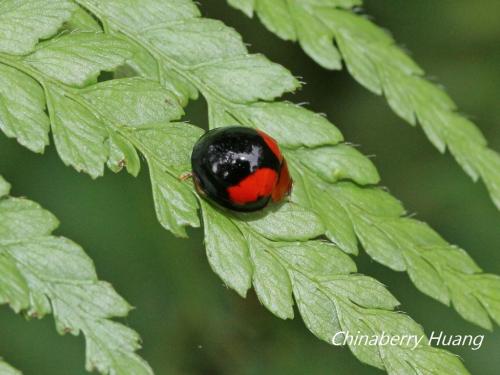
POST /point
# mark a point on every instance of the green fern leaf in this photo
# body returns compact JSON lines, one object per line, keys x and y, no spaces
{"x":24,"y":23}
{"x":4,"y":187}
{"x":6,"y":369}
{"x":79,"y":136}
{"x":81,"y":21}
{"x":41,"y":273}
{"x":268,"y":116}
{"x":22,"y":113}
{"x":77,"y":59}
{"x":80,"y":133}
{"x":270,"y":279}
{"x":289,"y":222}
{"x":227,"y":251}
{"x":173,"y":46}
{"x":133,"y":101}
{"x":374,"y":60}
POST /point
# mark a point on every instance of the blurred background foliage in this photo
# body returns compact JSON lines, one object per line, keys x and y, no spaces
{"x":192,"y":324}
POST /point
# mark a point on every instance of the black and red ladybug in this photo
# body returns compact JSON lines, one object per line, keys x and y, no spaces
{"x":240,"y":168}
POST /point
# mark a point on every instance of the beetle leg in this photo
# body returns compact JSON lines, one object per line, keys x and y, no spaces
{"x":185,"y":176}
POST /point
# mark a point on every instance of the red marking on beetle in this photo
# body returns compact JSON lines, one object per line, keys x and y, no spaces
{"x":284,"y":184}
{"x":272,"y":144}
{"x":257,"y":185}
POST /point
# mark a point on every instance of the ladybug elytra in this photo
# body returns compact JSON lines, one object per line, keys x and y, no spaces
{"x":240,"y":168}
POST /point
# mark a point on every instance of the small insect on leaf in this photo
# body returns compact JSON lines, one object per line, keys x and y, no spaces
{"x":240,"y":168}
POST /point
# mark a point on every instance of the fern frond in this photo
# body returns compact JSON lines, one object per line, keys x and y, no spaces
{"x":179,"y":54}
{"x":315,"y":154}
{"x":375,"y":61}
{"x":282,"y":262}
{"x":442,"y":271}
{"x":41,"y":274}
{"x":6,"y":369}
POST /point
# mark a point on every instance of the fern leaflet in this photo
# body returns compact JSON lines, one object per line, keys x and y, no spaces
{"x":375,"y":61}
{"x":41,"y":273}
{"x":6,"y":369}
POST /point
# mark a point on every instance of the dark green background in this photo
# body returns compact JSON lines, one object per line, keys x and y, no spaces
{"x":192,"y":324}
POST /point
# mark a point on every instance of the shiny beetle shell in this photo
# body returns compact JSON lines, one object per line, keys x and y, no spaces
{"x":240,"y":168}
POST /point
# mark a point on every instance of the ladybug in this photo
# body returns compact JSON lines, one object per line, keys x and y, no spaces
{"x":240,"y":168}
